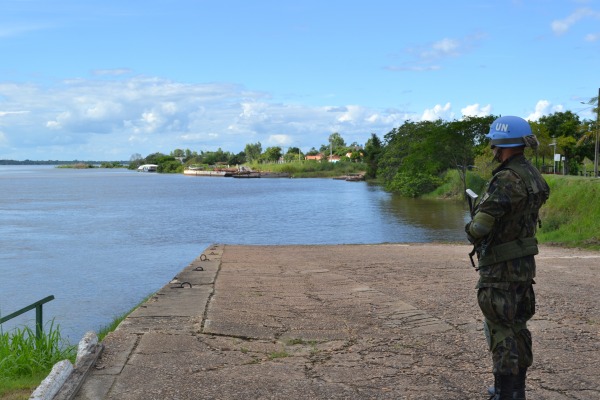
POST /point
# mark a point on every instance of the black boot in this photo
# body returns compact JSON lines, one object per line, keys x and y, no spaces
{"x":519,"y":386}
{"x":503,"y":387}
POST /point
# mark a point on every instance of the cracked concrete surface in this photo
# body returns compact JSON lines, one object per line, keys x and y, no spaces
{"x":388,"y":321}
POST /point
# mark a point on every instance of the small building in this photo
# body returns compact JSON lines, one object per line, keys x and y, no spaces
{"x":334,"y":158}
{"x":316,"y":157}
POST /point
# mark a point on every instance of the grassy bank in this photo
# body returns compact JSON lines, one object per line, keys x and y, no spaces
{"x":569,"y":218}
{"x":26,"y":360}
{"x":312,"y":169}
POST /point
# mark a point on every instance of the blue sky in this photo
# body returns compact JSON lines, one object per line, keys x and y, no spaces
{"x":102,"y":80}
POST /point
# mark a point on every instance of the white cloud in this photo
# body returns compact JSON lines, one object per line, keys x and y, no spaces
{"x":280,"y":140}
{"x":443,"y":48}
{"x":107,"y":117}
{"x":542,"y":108}
{"x":428,"y":57}
{"x":476,"y":110}
{"x":352,"y":114}
{"x":5,"y":113}
{"x":438,"y":112}
{"x":560,"y":27}
{"x":112,"y":72}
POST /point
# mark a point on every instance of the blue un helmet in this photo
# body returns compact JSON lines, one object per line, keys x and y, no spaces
{"x":511,"y":132}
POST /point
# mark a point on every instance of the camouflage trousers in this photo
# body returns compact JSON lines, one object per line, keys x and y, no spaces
{"x":507,"y":307}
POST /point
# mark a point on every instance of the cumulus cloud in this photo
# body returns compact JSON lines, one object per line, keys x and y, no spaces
{"x":561,"y":26}
{"x":438,"y":112}
{"x":476,"y":110}
{"x":542,"y":108}
{"x":116,"y":116}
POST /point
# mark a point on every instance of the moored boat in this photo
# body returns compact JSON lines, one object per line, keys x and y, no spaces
{"x":201,"y":172}
{"x":148,"y":168}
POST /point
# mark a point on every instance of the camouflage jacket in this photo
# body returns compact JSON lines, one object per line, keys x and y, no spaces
{"x":513,"y":197}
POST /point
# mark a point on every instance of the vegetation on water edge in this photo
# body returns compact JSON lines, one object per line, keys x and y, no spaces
{"x":105,"y":330}
{"x":26,"y":360}
{"x":83,"y":165}
{"x":312,"y":169}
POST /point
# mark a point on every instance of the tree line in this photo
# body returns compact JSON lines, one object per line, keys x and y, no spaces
{"x":179,"y":159}
{"x":413,"y":158}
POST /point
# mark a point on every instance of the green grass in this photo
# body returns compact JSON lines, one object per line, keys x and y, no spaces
{"x":571,"y":216}
{"x":312,"y":169}
{"x":105,"y":330}
{"x":278,"y":354}
{"x":26,"y":360}
{"x":453,"y":188}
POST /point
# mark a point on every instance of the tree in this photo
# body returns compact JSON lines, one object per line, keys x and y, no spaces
{"x":373,"y":150}
{"x":335,"y":142}
{"x":239,"y":158}
{"x":253,"y":151}
{"x":135,"y":161}
{"x":565,"y":127}
{"x":293,"y":154}
{"x":154,"y":158}
{"x":178,"y":153}
{"x":544,"y":154}
{"x":272,"y":154}
{"x":460,"y":140}
{"x":416,"y":154}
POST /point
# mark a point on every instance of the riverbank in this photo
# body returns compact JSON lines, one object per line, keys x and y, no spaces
{"x":382,"y":321}
{"x":569,"y":217}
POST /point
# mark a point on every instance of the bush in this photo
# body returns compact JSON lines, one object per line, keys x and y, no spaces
{"x":413,"y":185}
{"x":453,"y":188}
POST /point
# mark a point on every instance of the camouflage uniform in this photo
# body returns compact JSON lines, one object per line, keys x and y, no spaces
{"x":506,"y":261}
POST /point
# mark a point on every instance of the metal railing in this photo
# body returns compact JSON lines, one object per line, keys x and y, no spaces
{"x":38,"y":314}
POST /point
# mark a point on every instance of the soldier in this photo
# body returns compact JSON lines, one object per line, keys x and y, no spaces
{"x":503,"y":233}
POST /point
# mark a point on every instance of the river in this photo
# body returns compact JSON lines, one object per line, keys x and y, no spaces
{"x":100,"y":240}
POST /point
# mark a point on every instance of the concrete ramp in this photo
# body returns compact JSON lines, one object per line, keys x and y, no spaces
{"x":389,"y":321}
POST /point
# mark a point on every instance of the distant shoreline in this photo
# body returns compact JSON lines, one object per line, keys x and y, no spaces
{"x":55,"y":162}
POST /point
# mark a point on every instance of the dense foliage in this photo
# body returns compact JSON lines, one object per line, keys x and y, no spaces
{"x":416,"y":154}
{"x":415,"y":157}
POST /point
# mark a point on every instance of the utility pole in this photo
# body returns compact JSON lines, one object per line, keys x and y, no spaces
{"x":597,"y":134}
{"x":553,"y":144}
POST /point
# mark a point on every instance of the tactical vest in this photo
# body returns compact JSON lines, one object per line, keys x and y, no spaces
{"x":537,"y":194}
